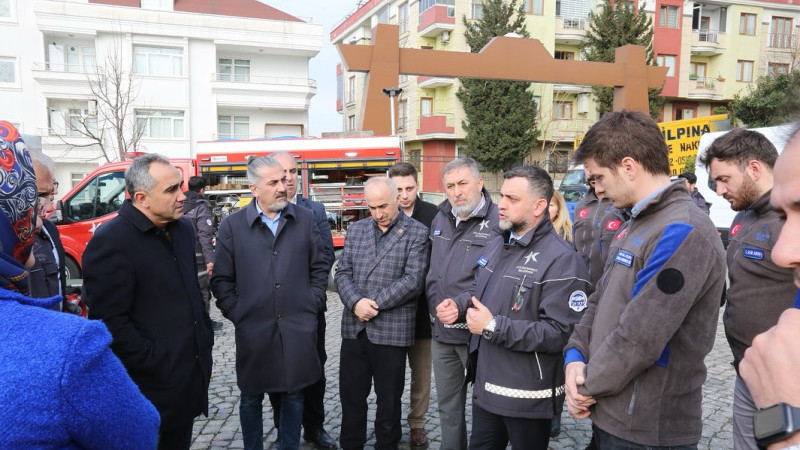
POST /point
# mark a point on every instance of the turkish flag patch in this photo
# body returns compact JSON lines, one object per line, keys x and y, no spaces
{"x":613,"y":225}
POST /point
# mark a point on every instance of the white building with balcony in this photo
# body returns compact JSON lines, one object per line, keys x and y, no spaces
{"x":198,"y":70}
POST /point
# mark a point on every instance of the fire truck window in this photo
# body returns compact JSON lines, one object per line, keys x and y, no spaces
{"x":101,"y":196}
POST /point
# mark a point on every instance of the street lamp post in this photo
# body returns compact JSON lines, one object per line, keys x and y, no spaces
{"x":392,"y":93}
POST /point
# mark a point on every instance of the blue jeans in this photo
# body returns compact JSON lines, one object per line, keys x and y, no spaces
{"x":251,"y":417}
{"x":608,"y":441}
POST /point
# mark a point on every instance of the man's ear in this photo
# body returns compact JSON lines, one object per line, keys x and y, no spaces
{"x":140,"y":197}
{"x":628,"y":168}
{"x":755,"y":169}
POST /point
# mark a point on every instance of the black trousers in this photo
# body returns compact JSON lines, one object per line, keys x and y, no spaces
{"x":177,"y":438}
{"x":493,"y":432}
{"x":314,"y":395}
{"x":361,"y":364}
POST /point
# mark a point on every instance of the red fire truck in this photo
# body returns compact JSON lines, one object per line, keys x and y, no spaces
{"x":331,"y":171}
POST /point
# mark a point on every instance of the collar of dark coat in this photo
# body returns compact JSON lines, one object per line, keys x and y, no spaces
{"x":447,"y":208}
{"x":762,"y":205}
{"x":545,"y":226}
{"x":138,"y":219}
{"x":251,"y":213}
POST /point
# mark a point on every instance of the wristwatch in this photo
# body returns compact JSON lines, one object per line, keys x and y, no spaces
{"x":776,"y":423}
{"x":488,"y":331}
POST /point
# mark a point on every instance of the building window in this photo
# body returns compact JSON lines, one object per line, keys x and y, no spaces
{"x":351,"y":122}
{"x":351,"y":89}
{"x":477,"y":9}
{"x":781,"y":35}
{"x":80,"y":59}
{"x":747,"y":24}
{"x":76,"y":177}
{"x":81,"y":122}
{"x":562,"y":110}
{"x":425,"y":106}
{"x":158,"y":60}
{"x":744,"y":71}
{"x":236,"y":70}
{"x":775,"y":69}
{"x":667,"y":61}
{"x":558,"y":54}
{"x":402,"y":18}
{"x":6,"y":11}
{"x":402,"y":115}
{"x":668,"y":16}
{"x":233,"y":127}
{"x":534,"y":6}
{"x":415,"y":158}
{"x":8,"y":70}
{"x":160,"y":124}
{"x":537,"y":105}
{"x":162,"y":5}
{"x":698,"y":70}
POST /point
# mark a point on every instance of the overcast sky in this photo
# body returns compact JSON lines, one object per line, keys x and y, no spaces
{"x":322,"y":115}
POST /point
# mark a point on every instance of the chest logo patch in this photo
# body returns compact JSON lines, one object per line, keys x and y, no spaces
{"x":735,"y":229}
{"x":621,"y":235}
{"x":482,"y":261}
{"x":613,"y":225}
{"x":484,"y":224}
{"x":624,"y":257}
{"x":583,"y":213}
{"x":531,"y":257}
{"x":753,"y":253}
{"x":437,"y":232}
{"x":577,"y":301}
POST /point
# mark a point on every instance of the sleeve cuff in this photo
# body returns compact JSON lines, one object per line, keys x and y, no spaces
{"x":573,"y":355}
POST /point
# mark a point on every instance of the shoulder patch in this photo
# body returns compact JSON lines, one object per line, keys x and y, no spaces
{"x":577,"y":301}
{"x":613,"y":225}
{"x":583,"y":213}
{"x":209,"y":222}
{"x":735,"y":229}
{"x":670,"y":281}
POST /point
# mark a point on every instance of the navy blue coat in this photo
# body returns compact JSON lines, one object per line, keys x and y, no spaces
{"x":143,"y":286}
{"x":271,"y":287}
{"x":324,"y":228}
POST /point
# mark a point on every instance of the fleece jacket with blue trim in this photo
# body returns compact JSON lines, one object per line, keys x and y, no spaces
{"x":652,"y":321}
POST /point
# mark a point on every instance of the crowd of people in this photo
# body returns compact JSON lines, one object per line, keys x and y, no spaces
{"x":611,"y":317}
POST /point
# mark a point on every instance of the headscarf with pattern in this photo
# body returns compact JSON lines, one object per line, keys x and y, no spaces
{"x":17,"y":215}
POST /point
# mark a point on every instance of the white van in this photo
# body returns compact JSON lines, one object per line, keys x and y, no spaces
{"x":721,"y":213}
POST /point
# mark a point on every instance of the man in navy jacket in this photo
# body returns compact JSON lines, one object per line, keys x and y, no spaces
{"x":140,"y":279}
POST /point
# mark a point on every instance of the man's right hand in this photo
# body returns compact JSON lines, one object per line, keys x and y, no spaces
{"x":365,"y":309}
{"x":577,"y":404}
{"x":447,"y":311}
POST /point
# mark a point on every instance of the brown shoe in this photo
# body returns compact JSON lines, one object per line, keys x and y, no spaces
{"x":418,"y":438}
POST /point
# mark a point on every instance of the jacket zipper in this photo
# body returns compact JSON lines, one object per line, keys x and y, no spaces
{"x":633,"y":396}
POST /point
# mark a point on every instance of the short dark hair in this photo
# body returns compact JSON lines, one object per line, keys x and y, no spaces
{"x":689,"y":176}
{"x":196,"y":184}
{"x":622,"y":134}
{"x":739,"y":146}
{"x":403,"y":169}
{"x":539,"y":181}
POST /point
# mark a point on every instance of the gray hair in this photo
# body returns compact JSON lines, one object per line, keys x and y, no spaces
{"x":138,"y":178}
{"x":539,"y":182}
{"x":381,"y":180}
{"x":38,"y":157}
{"x":262,"y":162}
{"x":459,"y":163}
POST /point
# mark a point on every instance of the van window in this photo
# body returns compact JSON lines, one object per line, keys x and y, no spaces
{"x":575,"y":177}
{"x":101,"y":196}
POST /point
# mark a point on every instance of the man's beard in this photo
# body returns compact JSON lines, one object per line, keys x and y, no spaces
{"x":279,"y":204}
{"x":507,"y":224}
{"x":748,"y":194}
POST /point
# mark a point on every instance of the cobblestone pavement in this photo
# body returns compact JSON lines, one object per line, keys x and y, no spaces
{"x":222,"y":429}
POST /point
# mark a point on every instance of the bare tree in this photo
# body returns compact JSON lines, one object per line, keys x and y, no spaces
{"x":113,"y":127}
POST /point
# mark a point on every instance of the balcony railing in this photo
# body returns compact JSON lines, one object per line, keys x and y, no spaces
{"x":425,"y":5}
{"x":781,"y":40}
{"x":61,"y":67}
{"x":707,"y":36}
{"x":708,"y":83}
{"x":250,"y":79}
{"x":574,"y":24}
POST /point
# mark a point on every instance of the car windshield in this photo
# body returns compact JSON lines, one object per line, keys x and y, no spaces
{"x":574,"y":178}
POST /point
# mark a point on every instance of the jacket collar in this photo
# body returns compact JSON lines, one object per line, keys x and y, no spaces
{"x":673,"y":192}
{"x":137,"y":218}
{"x":545,"y":226}
{"x":762,"y":205}
{"x":251,"y":213}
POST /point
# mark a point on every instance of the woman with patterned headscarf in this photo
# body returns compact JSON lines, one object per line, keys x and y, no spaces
{"x":62,"y":386}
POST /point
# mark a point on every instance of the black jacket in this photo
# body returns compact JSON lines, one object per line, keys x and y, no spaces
{"x":143,"y":286}
{"x":48,"y":275}
{"x":198,"y":210}
{"x":423,"y":213}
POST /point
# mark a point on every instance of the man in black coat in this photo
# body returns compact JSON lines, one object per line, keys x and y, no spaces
{"x":140,"y":280}
{"x":269,"y":280}
{"x":404,"y":176}
{"x":314,"y":395}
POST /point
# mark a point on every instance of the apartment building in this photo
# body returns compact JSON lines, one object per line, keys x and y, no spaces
{"x":199,"y":70}
{"x":714,"y":49}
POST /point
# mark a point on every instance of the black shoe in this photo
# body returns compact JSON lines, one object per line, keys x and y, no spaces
{"x":216,"y":326}
{"x":555,"y":426}
{"x":320,"y":438}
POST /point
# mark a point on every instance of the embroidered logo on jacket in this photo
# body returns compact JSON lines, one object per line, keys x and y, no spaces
{"x":484,"y":224}
{"x":531,"y":257}
{"x":577,"y":301}
{"x":735,"y":229}
{"x":583,"y":213}
{"x":613,"y":225}
{"x":624,"y":257}
{"x":763,"y":235}
{"x":482,"y":261}
{"x":621,"y":235}
{"x":437,"y":232}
